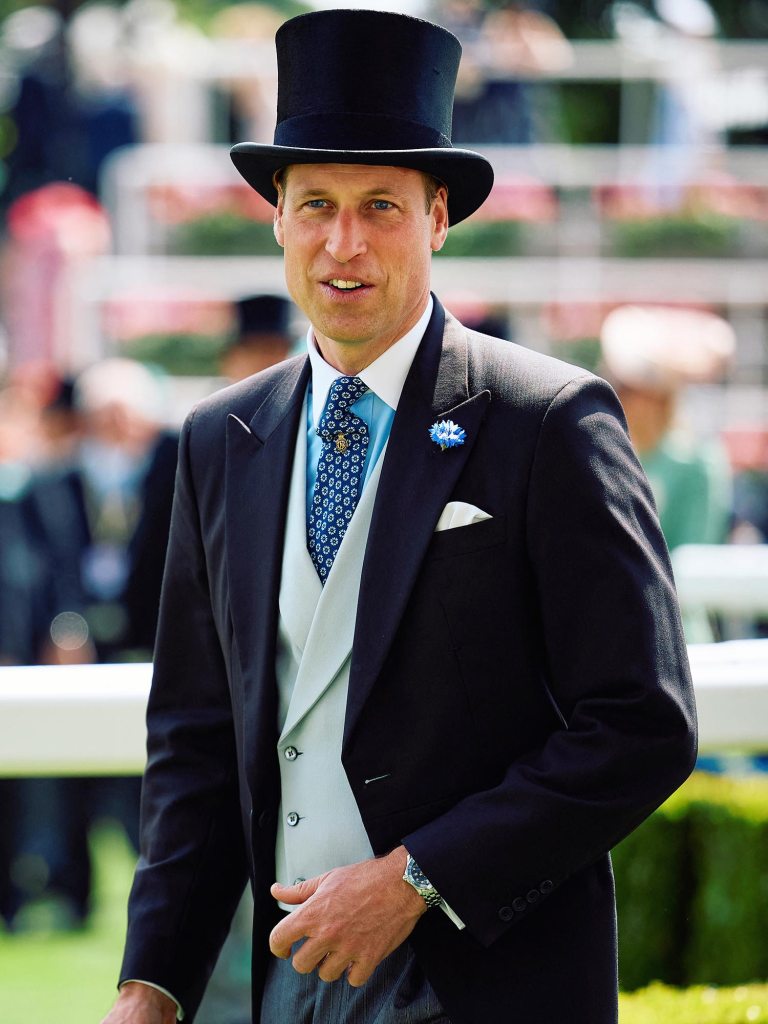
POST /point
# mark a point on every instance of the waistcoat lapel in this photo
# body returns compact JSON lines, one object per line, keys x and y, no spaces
{"x":329,"y":640}
{"x":300,"y":586}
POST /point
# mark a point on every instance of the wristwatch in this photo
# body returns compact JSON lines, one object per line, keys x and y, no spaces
{"x":415,"y":877}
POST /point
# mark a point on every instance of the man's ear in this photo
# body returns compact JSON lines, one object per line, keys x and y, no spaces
{"x":277,"y":223}
{"x":439,"y":215}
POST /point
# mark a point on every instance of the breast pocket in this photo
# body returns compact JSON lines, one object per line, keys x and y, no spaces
{"x":463,"y":540}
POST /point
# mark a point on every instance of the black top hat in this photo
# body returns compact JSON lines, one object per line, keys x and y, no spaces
{"x":263,"y":314}
{"x":367,"y":87}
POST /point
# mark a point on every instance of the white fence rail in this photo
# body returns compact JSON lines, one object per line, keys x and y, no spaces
{"x":89,"y":720}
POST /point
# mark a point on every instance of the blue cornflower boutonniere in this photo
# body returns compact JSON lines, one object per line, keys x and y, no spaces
{"x":447,"y":434}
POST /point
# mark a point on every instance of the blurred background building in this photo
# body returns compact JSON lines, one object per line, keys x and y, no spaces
{"x":627,"y":232}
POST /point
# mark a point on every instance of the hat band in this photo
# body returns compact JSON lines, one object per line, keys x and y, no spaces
{"x":347,"y":132}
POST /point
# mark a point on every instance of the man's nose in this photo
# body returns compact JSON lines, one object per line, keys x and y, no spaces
{"x":346,"y":238}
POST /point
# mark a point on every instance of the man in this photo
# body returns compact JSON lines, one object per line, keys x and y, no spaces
{"x":429,"y":720}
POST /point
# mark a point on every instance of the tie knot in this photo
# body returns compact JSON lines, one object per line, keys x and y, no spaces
{"x":345,"y":391}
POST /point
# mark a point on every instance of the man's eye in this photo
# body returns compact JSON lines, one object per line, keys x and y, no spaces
{"x":316,"y":204}
{"x":381,"y":204}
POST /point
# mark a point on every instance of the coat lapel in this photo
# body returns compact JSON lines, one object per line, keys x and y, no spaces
{"x":417,"y":479}
{"x":257,"y":477}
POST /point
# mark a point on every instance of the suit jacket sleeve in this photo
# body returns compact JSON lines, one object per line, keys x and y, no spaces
{"x":616,"y":667}
{"x":192,"y":867}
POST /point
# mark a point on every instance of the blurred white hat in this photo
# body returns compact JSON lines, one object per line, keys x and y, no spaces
{"x":122,"y":382}
{"x":662,"y":348}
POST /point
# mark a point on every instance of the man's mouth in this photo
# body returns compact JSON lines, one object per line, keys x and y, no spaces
{"x":345,"y":286}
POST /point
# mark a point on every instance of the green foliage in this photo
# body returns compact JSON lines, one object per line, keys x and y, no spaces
{"x":693,"y":234}
{"x":729,"y":939}
{"x":584,"y":352}
{"x":224,"y":234}
{"x":650,"y":866}
{"x":491,"y":238}
{"x":589,"y":113}
{"x":692,"y":887}
{"x":183,"y":355}
{"x":658,"y":1004}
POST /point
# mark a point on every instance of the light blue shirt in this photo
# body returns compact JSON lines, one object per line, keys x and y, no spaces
{"x":385,"y":377}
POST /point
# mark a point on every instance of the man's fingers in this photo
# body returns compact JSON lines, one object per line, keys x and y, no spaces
{"x":283,"y":936}
{"x":359,"y":972}
{"x":332,"y":966}
{"x":311,"y":954}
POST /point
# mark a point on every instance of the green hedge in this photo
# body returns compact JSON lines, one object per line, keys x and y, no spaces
{"x":483,"y":239}
{"x":729,"y":911}
{"x":694,"y":234}
{"x":183,"y":355}
{"x":223,"y":234}
{"x":692,"y":887}
{"x":658,"y":1004}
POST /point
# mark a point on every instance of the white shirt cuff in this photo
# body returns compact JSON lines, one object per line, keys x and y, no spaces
{"x":452,"y":915}
{"x":151,"y":984}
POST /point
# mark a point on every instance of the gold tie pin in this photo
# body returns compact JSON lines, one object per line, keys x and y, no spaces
{"x":342,"y":444}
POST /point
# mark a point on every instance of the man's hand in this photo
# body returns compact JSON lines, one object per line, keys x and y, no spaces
{"x":141,"y":1004}
{"x":351,"y":918}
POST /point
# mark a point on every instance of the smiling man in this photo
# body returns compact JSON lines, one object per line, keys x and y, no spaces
{"x":419,"y":662}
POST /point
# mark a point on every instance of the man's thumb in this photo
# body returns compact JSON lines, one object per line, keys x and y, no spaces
{"x":299,"y":892}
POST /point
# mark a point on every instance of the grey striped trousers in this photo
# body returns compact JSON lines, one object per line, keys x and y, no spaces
{"x":396,"y":993}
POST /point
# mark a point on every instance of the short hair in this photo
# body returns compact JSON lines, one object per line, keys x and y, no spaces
{"x":432,"y":185}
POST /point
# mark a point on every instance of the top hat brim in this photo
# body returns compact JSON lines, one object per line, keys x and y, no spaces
{"x":468,"y":176}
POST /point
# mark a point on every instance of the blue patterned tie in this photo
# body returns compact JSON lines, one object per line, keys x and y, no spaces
{"x":339,"y":473}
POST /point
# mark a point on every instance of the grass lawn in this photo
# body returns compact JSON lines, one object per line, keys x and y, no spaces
{"x":70,"y":978}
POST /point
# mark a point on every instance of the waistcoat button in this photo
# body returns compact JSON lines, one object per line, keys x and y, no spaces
{"x":290,"y":753}
{"x":292,"y":818}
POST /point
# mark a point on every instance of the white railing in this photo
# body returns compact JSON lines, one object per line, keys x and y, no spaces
{"x":727,"y":579}
{"x":88,"y":720}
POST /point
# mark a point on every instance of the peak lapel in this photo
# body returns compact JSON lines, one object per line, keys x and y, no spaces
{"x":257,"y":477}
{"x":417,"y":479}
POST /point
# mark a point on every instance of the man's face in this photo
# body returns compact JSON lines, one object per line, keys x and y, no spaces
{"x":358,"y":242}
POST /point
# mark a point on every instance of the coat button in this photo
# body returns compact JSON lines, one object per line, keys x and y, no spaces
{"x":290,"y":753}
{"x":506,"y":913}
{"x":519,"y":905}
{"x":546,"y":887}
{"x":292,"y":818}
{"x":533,"y":896}
{"x":299,"y":879}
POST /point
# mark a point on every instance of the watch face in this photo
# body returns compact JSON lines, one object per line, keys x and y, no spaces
{"x":418,"y":877}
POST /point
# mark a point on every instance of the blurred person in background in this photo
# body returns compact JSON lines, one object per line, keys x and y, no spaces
{"x":262,"y":336}
{"x":21,"y":591}
{"x":101,"y":520}
{"x":505,"y":44}
{"x":650,"y":355}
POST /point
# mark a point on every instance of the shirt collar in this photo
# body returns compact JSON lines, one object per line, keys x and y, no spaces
{"x":385,"y":376}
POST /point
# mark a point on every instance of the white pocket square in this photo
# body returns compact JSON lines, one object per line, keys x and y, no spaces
{"x":459,"y":513}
